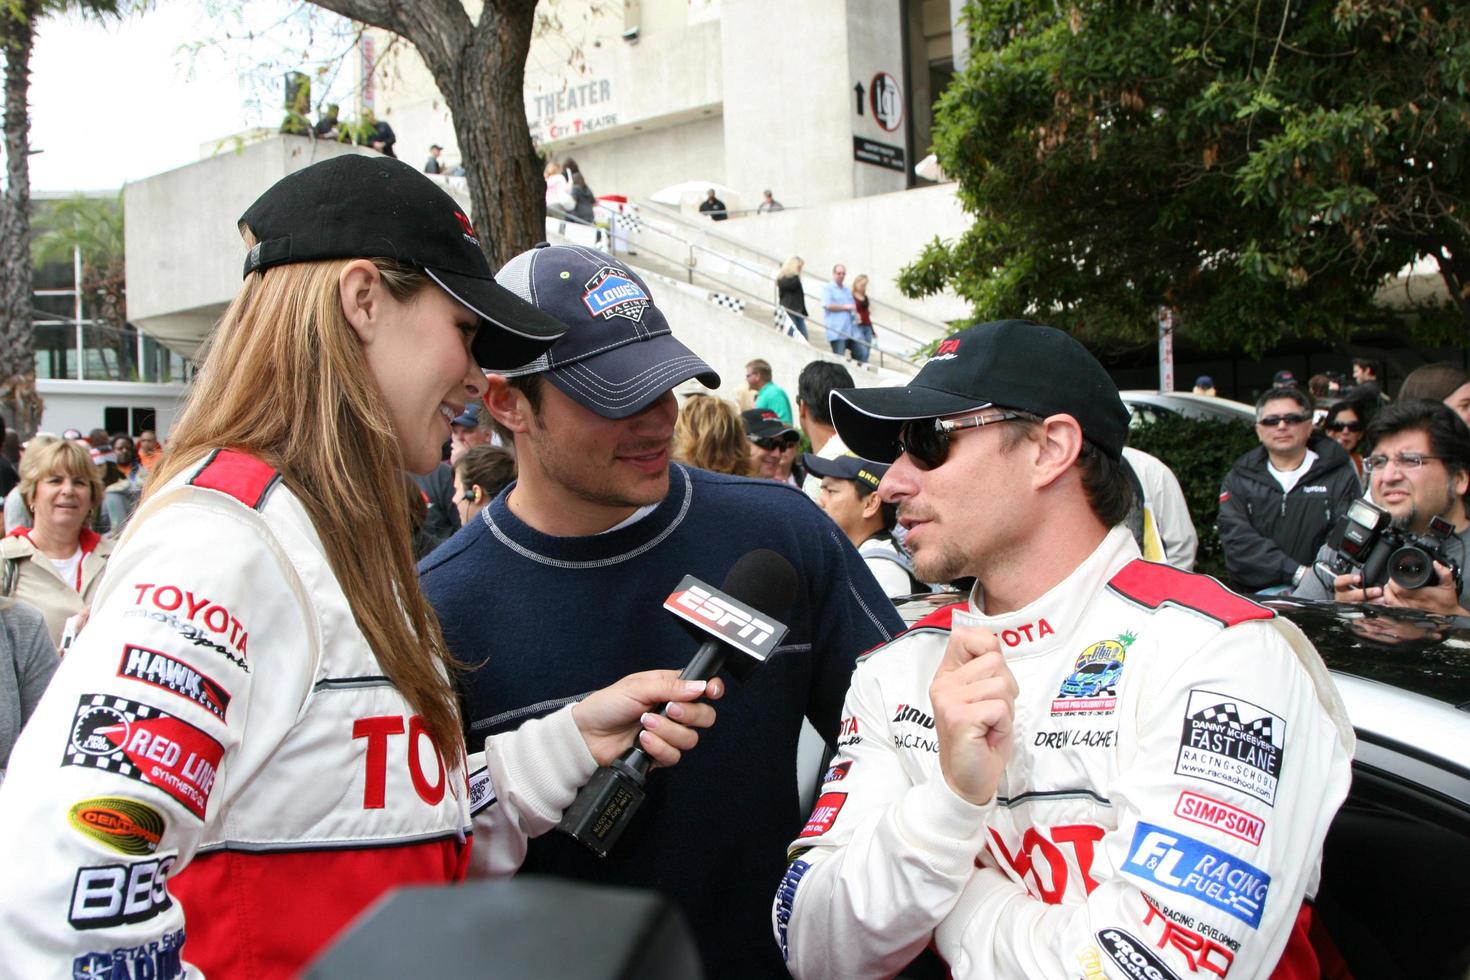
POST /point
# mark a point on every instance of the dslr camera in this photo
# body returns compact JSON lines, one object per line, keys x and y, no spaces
{"x":1365,"y":541}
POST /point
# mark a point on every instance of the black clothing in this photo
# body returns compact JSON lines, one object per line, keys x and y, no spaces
{"x":8,"y":476}
{"x":585,"y":200}
{"x":443,"y":517}
{"x":714,"y":207}
{"x":1268,"y":535}
{"x":788,"y":288}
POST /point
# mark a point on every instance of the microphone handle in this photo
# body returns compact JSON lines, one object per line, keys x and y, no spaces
{"x":708,"y":660}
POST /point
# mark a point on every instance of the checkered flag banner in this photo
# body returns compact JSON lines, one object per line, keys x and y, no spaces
{"x":784,"y":323}
{"x":732,"y":303}
{"x":628,"y":221}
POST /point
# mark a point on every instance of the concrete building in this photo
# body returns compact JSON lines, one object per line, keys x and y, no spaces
{"x":827,"y":103}
{"x":90,"y":373}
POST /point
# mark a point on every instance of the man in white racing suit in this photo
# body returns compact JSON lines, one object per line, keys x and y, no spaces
{"x":1097,"y":766}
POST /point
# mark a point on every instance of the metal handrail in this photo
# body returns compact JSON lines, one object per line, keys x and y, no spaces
{"x":688,"y":261}
{"x":675,"y":215}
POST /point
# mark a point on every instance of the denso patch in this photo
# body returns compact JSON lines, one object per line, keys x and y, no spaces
{"x":116,"y":822}
{"x":165,"y":672}
{"x":145,"y":744}
{"x":824,"y":814}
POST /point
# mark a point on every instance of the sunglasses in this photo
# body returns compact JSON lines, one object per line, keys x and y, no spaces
{"x":1339,"y":426}
{"x":1272,"y":421}
{"x":769,"y":444}
{"x":926,"y":441}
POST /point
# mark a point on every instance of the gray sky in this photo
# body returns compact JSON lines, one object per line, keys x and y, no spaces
{"x":123,"y":101}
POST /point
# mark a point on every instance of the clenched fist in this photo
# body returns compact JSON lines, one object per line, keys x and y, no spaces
{"x":974,"y":698}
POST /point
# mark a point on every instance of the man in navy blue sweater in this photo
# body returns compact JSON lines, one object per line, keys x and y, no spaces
{"x":556,"y":589}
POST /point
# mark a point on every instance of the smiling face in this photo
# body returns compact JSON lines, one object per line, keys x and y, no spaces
{"x":767,"y":461}
{"x":419,"y":355}
{"x":61,"y":503}
{"x":572,"y":459}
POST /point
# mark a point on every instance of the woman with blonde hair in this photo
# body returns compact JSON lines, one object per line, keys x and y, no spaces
{"x":259,"y":731}
{"x":709,"y":434}
{"x":790,"y":294}
{"x":56,"y":564}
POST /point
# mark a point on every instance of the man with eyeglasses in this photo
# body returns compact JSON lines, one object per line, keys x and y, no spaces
{"x":1418,"y":469}
{"x":1084,"y":768}
{"x":1279,"y":500}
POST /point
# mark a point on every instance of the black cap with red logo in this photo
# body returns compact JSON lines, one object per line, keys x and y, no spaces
{"x":1012,"y":364}
{"x":371,"y":206}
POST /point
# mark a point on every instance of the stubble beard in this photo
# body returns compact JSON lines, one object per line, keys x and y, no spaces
{"x":590,"y":484}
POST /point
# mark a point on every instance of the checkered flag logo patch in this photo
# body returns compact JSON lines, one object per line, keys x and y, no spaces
{"x":1224,"y":713}
{"x":101,"y":729}
{"x":628,"y":221}
{"x":1262,"y":728}
{"x":732,"y":303}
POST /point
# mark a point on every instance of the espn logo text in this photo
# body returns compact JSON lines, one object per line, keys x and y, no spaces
{"x":724,"y":615}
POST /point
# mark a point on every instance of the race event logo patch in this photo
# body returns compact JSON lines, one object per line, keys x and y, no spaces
{"x":1233,"y":743}
{"x":1092,"y":686}
{"x":119,"y":823}
{"x":611,"y":293}
{"x":1194,"y":868}
{"x":175,"y":676}
{"x":837,"y":772}
{"x":145,"y":744}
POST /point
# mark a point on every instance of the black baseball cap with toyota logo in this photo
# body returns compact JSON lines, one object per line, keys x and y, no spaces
{"x":1012,"y":364}
{"x":370,"y":206}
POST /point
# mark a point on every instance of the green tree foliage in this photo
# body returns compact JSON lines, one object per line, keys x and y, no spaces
{"x":1200,"y":452}
{"x":92,"y":226}
{"x":1261,"y":167}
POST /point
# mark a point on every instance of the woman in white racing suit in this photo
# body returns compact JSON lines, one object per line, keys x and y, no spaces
{"x":256,"y":733}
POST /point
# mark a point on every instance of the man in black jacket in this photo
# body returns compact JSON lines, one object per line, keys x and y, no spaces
{"x":1279,"y":500}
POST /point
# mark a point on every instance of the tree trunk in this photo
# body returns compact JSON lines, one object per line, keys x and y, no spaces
{"x":484,"y":92}
{"x":18,"y":398}
{"x":480,"y":70}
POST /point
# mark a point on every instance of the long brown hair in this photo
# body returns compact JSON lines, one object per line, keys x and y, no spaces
{"x":287,"y":381}
{"x":710,"y":435}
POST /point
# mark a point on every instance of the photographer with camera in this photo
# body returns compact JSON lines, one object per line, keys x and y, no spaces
{"x":1406,"y":545}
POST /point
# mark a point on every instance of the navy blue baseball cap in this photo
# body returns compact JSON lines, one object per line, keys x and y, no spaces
{"x":618,"y":355}
{"x":1012,"y":364}
{"x":469,"y":418}
{"x":375,"y":207}
{"x":848,"y":466}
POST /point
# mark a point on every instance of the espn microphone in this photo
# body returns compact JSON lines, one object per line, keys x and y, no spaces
{"x":739,"y":619}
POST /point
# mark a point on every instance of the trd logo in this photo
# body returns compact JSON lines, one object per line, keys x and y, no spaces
{"x":947,"y":350}
{"x":1081,"y":838}
{"x":465,"y":226}
{"x":110,"y":895}
{"x":1198,"y":951}
{"x":724,"y":616}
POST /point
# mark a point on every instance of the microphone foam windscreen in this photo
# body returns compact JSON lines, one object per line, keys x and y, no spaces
{"x":764,"y":580}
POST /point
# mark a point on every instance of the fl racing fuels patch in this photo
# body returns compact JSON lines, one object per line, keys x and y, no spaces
{"x":144,"y":744}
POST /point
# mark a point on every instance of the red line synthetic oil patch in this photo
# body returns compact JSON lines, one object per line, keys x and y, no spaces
{"x":147,"y":745}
